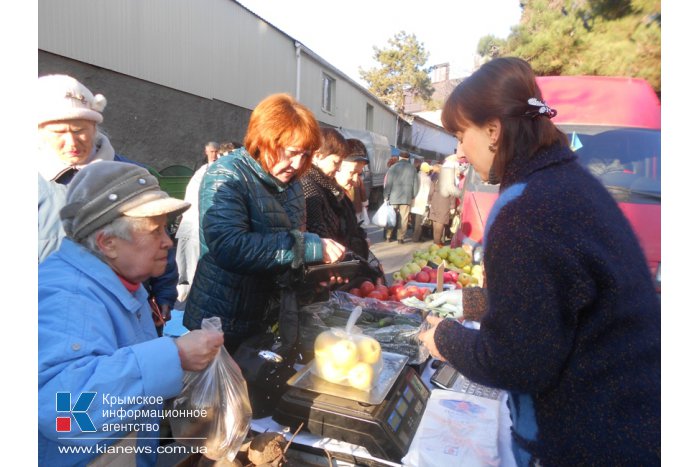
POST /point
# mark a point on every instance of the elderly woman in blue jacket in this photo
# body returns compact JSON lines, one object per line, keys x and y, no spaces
{"x":103,"y":373}
{"x":252,"y":219}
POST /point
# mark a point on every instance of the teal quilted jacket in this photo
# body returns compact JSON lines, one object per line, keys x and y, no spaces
{"x":246,"y":223}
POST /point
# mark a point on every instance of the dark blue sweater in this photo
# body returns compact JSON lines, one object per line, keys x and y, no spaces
{"x":573,"y":326}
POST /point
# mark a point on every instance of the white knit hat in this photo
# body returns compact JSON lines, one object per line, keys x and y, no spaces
{"x":62,"y":97}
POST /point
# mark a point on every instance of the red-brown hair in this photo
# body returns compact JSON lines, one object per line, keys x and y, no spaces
{"x":500,"y":89}
{"x":277,"y":122}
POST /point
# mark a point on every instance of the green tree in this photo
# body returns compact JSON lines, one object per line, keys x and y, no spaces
{"x":402,"y":71}
{"x":586,"y":37}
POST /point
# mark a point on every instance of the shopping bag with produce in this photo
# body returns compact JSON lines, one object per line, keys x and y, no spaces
{"x":213,"y":409}
{"x":347,"y":356}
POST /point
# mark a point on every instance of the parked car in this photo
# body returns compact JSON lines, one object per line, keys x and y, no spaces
{"x":614,"y":126}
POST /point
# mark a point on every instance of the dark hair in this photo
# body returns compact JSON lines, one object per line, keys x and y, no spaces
{"x":332,"y":142}
{"x":356,"y":147}
{"x":500,"y":90}
{"x":404,"y":155}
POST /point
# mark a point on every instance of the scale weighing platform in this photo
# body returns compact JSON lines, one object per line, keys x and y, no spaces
{"x":383,"y":420}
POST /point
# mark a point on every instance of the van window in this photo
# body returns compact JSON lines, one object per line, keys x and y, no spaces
{"x":626,"y":160}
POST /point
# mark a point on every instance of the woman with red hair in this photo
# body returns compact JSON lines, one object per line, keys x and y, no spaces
{"x":252,"y":218}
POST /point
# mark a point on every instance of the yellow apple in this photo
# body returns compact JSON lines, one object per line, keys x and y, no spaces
{"x":369,"y":349}
{"x":325,"y":341}
{"x":328,"y":371}
{"x":464,"y":278}
{"x":361,"y":376}
{"x":344,"y":354}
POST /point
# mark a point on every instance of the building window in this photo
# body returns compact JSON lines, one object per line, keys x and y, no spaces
{"x":369,"y":118}
{"x":328,"y":99}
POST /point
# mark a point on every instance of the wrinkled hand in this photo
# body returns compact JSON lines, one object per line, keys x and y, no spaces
{"x":198,"y":348}
{"x":332,"y":250}
{"x":427,"y":337}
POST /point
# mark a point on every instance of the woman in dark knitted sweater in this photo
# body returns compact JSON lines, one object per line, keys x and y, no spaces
{"x":572,"y":322}
{"x":329,"y":212}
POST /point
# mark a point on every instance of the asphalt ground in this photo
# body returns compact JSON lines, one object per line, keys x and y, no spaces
{"x":393,"y":255}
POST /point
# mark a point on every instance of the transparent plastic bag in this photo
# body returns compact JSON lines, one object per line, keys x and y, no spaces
{"x":347,"y":356}
{"x":215,"y":402}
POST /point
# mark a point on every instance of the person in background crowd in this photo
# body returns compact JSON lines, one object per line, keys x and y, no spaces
{"x":69,"y":140}
{"x":442,"y":203}
{"x":211,"y":152}
{"x":96,"y":331}
{"x":187,"y":251}
{"x":574,"y":335}
{"x":252,"y":222}
{"x":390,"y":234}
{"x":401,"y":187}
{"x":354,"y":186}
{"x":420,"y":202}
{"x":228,"y":147}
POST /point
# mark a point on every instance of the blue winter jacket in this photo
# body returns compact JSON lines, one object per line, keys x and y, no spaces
{"x":247,"y":219}
{"x":97,"y":337}
{"x":52,"y":197}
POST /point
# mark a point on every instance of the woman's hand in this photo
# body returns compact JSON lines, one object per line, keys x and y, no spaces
{"x":198,"y":348}
{"x":332,"y":250}
{"x":427,"y":337}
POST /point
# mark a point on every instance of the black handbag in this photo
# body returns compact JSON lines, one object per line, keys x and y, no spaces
{"x":267,"y":360}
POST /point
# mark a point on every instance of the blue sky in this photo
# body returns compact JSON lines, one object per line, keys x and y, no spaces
{"x":344,"y":33}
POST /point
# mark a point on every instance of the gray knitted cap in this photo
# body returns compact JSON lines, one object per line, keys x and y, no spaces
{"x":105,"y":190}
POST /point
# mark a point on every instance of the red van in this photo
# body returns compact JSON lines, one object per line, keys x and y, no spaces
{"x":614,"y":126}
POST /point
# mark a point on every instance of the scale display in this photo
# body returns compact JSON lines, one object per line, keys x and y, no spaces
{"x":385,"y":429}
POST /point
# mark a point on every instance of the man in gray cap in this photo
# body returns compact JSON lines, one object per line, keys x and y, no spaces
{"x":97,"y":338}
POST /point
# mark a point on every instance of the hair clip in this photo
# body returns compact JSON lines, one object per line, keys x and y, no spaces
{"x":542,"y":109}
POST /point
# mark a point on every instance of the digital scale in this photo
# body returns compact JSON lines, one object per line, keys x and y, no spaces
{"x":382,"y":420}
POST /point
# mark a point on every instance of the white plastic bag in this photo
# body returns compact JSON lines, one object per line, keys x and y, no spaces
{"x":385,"y":216}
{"x":215,"y":401}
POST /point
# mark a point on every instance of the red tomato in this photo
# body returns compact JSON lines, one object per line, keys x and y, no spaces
{"x":395,"y":288}
{"x":366,"y":287}
{"x":376,"y":294}
{"x":383,"y":289}
{"x":401,"y":294}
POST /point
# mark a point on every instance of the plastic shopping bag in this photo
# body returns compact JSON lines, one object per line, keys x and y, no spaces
{"x":347,"y":356}
{"x":213,"y":409}
{"x":385,"y":216}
